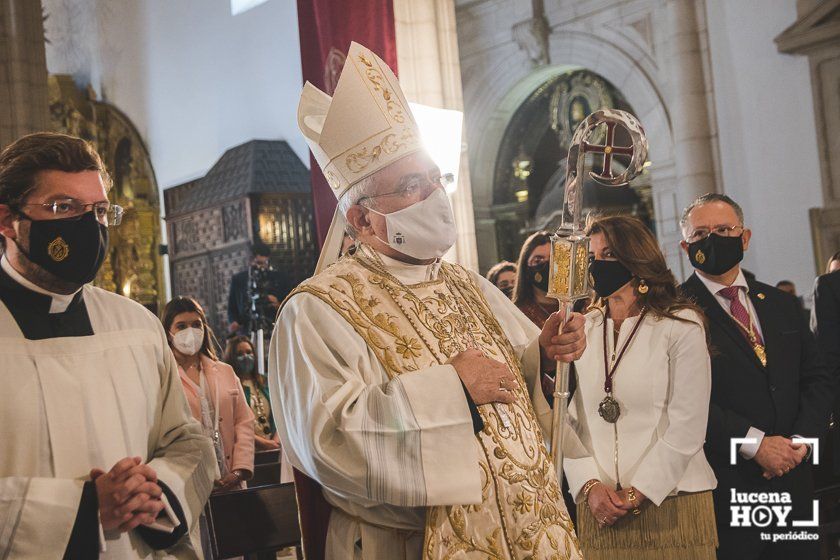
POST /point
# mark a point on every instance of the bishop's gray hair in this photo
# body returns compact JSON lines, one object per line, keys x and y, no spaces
{"x":352,"y":197}
{"x":706,"y":199}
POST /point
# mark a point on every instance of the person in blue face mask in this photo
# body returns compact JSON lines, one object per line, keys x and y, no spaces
{"x":769,"y":384}
{"x":240,"y":355}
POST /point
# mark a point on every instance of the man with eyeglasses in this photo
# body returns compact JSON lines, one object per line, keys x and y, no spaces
{"x":768,"y":383}
{"x":408,"y":387}
{"x":99,"y":456}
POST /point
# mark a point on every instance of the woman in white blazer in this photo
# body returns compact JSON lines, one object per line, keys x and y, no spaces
{"x":641,"y":406}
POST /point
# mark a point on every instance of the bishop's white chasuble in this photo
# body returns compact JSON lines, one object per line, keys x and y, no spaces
{"x":366,"y":405}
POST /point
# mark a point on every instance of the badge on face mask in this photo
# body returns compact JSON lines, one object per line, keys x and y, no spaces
{"x":538,"y":275}
{"x":424,"y":230}
{"x":716,"y":254}
{"x":72,"y":249}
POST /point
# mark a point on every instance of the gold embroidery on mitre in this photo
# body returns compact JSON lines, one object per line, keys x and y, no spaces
{"x":522,"y":513}
{"x":58,"y":250}
{"x":332,"y":180}
{"x":374,"y":76}
{"x":358,"y":161}
{"x":700,"y":257}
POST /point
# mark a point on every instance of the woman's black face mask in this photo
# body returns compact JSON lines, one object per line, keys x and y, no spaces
{"x":607,"y":277}
{"x":538,"y":275}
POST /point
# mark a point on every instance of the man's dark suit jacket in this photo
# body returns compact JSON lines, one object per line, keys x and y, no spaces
{"x":239,"y":306}
{"x":791,"y":396}
{"x":825,"y":321}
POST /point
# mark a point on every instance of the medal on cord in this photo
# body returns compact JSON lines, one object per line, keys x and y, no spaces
{"x":609,"y":408}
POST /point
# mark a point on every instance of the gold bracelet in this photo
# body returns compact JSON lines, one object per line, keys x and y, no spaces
{"x":631,"y":495}
{"x":587,"y":488}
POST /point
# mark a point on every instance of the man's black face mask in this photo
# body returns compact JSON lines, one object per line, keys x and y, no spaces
{"x":72,"y":249}
{"x":716,"y":254}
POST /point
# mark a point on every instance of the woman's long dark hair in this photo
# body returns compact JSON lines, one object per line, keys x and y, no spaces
{"x":230,"y":357}
{"x":834,"y":257}
{"x":634,"y":246}
{"x":524,"y":290}
{"x":184,"y":304}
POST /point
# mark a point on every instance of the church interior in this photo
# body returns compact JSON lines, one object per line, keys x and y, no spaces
{"x":193,"y":107}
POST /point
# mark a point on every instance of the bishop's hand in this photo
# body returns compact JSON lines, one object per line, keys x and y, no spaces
{"x":566,"y":345}
{"x":486,"y":380}
{"x":128,"y":495}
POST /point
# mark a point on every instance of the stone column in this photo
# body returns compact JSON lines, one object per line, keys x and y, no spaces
{"x":689,"y":107}
{"x":430,"y":73}
{"x":23,"y":70}
{"x":816,"y":34}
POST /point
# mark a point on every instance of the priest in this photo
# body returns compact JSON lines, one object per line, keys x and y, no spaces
{"x":99,"y":457}
{"x":401,"y":383}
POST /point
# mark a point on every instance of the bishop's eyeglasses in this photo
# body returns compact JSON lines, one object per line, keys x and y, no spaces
{"x":106,"y":213}
{"x":414,"y":184}
{"x":722,"y":230}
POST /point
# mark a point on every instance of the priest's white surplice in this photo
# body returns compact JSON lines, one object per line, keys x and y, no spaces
{"x":71,"y":404}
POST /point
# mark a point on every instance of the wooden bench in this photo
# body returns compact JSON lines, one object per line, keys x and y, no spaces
{"x":267,"y":474}
{"x":252,"y":521}
{"x":266,"y":457}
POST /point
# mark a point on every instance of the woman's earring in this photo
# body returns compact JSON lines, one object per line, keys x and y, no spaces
{"x":643,"y":287}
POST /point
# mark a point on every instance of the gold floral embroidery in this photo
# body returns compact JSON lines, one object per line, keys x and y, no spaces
{"x":360,"y":160}
{"x":374,"y":75}
{"x":521,"y":514}
{"x":332,"y":180}
{"x":408,"y":347}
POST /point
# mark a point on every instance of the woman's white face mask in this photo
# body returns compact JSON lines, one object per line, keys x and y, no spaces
{"x":188,"y":341}
{"x":424,"y":230}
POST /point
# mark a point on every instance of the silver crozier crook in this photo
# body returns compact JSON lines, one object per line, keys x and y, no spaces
{"x":569,"y":275}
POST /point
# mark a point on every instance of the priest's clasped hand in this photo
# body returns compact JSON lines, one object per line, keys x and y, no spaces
{"x":569,"y":344}
{"x":129,"y":495}
{"x":486,"y":380}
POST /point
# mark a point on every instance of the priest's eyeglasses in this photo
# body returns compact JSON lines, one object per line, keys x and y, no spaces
{"x":415,"y":184}
{"x":723,"y":231}
{"x":106,"y":213}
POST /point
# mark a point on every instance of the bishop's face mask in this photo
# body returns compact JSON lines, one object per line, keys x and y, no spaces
{"x":72,"y":249}
{"x":424,"y":230}
{"x":608,"y":276}
{"x":716,"y":254}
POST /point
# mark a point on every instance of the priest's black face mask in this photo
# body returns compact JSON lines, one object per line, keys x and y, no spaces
{"x":71,"y":249}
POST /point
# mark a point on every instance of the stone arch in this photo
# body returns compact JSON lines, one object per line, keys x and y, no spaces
{"x":492,"y":95}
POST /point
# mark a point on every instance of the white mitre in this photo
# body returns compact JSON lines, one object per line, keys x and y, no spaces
{"x":365,"y":126}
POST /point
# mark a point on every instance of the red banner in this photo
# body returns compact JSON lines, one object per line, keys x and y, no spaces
{"x":326,"y":29}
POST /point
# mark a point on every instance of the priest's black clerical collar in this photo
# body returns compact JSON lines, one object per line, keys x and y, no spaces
{"x":37,"y":314}
{"x":58,"y":302}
